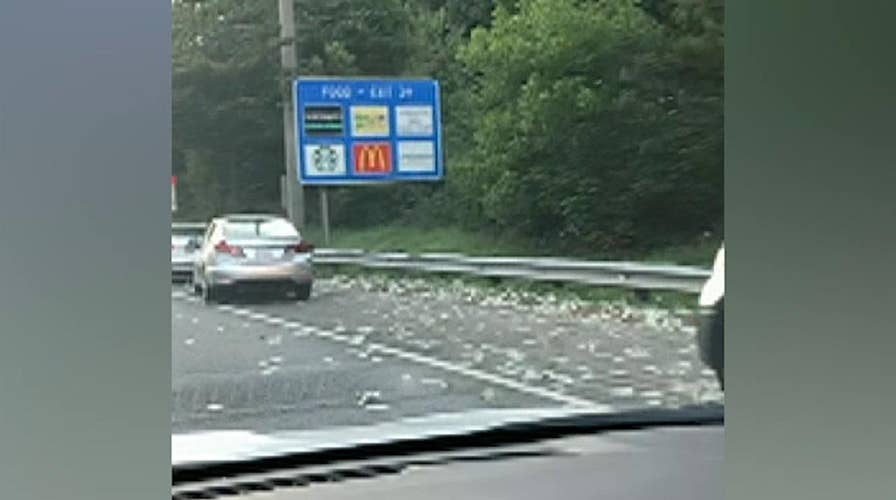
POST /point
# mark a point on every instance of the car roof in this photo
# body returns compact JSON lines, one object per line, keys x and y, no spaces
{"x":188,"y":225}
{"x":249,"y":217}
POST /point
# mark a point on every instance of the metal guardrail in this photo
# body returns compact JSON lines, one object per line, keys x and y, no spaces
{"x":632,"y":275}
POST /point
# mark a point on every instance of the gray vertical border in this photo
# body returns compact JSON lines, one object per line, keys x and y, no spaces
{"x":85,"y":160}
{"x":84,"y":311}
{"x":810,"y":163}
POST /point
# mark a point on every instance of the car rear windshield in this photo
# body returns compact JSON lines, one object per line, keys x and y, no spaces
{"x":262,"y":228}
{"x":185,"y":232}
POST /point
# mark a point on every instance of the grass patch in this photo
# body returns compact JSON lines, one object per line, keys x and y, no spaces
{"x":700,"y":253}
{"x":451,"y":239}
{"x":416,"y":240}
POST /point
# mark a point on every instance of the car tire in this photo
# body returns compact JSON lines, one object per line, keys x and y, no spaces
{"x":224,"y":295}
{"x":711,"y":340}
{"x":210,"y":294}
{"x":303,"y":292}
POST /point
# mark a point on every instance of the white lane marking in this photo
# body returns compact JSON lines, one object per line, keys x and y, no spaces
{"x":253,"y":411}
{"x":339,"y":338}
{"x":448,"y":366}
{"x":376,"y":407}
{"x":275,"y":321}
{"x":434,"y":381}
{"x":490,"y":378}
{"x":622,"y":392}
{"x":324,"y":334}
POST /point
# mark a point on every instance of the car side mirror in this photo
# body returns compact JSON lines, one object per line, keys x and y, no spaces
{"x":193,"y":244}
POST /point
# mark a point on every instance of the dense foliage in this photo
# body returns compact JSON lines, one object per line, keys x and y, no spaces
{"x":576,"y":124}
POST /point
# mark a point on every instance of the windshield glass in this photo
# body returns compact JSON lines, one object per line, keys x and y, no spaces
{"x":262,"y":228}
{"x":503,"y":205}
{"x":185,"y":234}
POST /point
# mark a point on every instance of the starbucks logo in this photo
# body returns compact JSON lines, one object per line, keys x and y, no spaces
{"x":325,"y":159}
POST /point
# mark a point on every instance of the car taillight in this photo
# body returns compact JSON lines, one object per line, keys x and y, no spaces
{"x":303,"y":247}
{"x":223,"y":247}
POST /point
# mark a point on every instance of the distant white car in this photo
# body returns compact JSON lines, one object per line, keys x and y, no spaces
{"x":252,"y":252}
{"x":711,"y":337}
{"x":185,"y":239}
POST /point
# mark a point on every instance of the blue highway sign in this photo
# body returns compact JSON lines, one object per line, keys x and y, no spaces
{"x":367,"y":131}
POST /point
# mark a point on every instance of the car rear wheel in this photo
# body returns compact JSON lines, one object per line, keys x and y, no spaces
{"x":210,"y":294}
{"x":303,"y":292}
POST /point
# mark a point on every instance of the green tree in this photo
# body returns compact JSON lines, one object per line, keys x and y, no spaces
{"x":225,"y":118}
{"x":582,"y":125}
{"x":228,"y":88}
{"x":594,"y":131}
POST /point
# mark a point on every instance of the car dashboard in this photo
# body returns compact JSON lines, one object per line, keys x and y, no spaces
{"x":669,"y":463}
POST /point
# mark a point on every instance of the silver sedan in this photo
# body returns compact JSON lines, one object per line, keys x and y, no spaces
{"x":246,"y":252}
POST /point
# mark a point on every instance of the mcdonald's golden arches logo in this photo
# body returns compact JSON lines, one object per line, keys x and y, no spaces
{"x":372,"y":158}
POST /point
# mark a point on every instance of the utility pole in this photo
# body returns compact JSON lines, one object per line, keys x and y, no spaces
{"x":295,"y":199}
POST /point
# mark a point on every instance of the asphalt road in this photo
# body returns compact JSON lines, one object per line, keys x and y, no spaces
{"x":363,"y":351}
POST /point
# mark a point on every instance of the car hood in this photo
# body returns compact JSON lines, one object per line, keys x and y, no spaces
{"x":227,"y":446}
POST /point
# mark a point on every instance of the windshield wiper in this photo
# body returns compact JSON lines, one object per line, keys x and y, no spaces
{"x":711,"y":414}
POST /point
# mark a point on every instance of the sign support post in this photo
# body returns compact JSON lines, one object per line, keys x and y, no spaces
{"x":325,"y":214}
